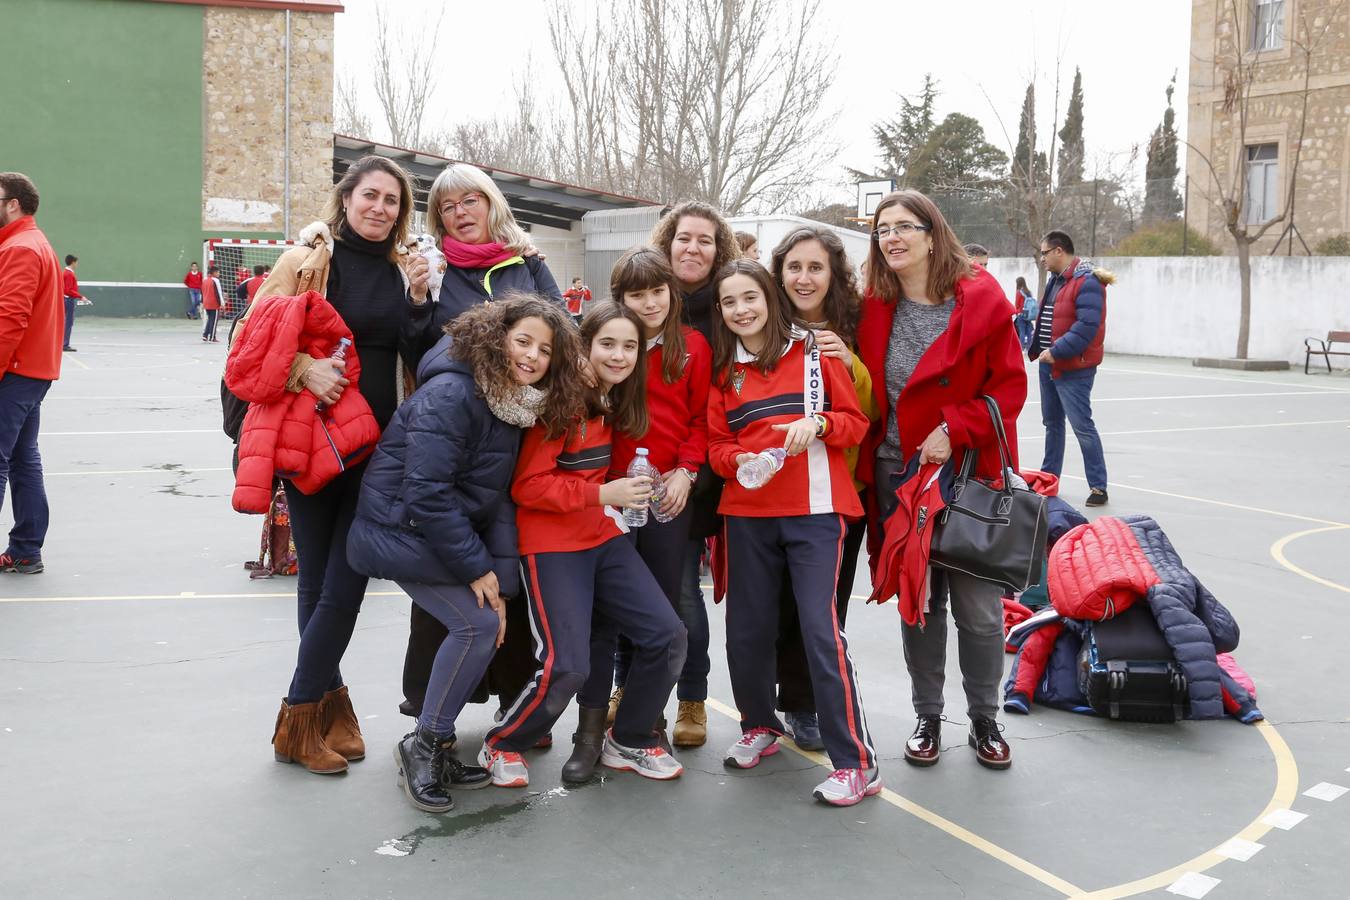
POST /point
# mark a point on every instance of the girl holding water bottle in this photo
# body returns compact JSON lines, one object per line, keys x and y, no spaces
{"x":679,"y":368}
{"x":774,"y":390}
{"x":578,"y":562}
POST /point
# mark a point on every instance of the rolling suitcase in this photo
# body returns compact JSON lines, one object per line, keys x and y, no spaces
{"x":1128,"y":671}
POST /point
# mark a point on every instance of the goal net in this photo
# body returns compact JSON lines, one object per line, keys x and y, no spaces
{"x":236,"y":260}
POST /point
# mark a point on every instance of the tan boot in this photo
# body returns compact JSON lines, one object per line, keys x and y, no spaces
{"x":298,"y":738}
{"x":614,"y":700}
{"x":341,"y":732}
{"x":691,"y":724}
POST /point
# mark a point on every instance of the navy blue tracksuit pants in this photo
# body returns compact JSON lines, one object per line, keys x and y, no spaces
{"x":565,"y":590}
{"x":810,"y":549}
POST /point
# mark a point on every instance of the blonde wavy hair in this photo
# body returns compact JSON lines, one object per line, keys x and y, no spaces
{"x":462,"y":178}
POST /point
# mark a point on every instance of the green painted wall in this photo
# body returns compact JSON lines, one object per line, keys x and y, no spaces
{"x":103,"y":110}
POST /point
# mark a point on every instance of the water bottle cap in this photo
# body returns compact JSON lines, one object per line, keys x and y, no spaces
{"x":642,"y":451}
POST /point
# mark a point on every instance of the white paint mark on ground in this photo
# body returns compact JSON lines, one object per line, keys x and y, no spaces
{"x":392,"y":847}
{"x":1284,"y":819}
{"x":1193,"y":885}
{"x":1326,"y":791}
{"x":1240,"y":850}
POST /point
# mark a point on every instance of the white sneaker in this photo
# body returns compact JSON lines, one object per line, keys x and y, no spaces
{"x":846,"y":787}
{"x":754,"y":745}
{"x":508,"y":769}
{"x":649,"y":762}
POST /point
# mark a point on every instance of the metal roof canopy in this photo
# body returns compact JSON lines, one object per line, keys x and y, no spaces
{"x":534,"y":201}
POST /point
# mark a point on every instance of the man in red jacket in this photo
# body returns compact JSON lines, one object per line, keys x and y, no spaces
{"x":31,"y":328}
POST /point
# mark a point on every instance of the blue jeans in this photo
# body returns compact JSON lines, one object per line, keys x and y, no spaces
{"x":1071,"y":395}
{"x":20,"y":464}
{"x":70,"y":321}
{"x":462,"y":658}
{"x":194,"y":301}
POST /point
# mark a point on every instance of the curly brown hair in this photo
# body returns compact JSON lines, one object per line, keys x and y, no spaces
{"x":478,"y":338}
{"x":842,"y":309}
{"x":663,"y":235}
{"x":626,"y":406}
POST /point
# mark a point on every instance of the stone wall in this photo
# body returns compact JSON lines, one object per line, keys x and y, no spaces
{"x":244,"y":107}
{"x":1322,"y":192}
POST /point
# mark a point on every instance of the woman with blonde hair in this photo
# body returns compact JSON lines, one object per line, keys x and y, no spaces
{"x":487,"y":255}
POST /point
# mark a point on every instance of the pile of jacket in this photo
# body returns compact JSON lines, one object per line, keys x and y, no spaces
{"x":1100,"y":569}
{"x":284,"y":435}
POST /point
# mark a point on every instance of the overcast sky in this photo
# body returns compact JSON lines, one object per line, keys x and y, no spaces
{"x":982,"y":52}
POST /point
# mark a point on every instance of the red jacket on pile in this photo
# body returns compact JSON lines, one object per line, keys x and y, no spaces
{"x":283,"y":434}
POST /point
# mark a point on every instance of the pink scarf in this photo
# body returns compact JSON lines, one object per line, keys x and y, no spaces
{"x":474,"y":256}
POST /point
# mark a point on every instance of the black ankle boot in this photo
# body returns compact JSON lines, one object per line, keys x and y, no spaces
{"x":586,"y":744}
{"x":420,"y":757}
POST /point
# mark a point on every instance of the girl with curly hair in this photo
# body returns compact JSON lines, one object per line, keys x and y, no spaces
{"x":435,"y":513}
{"x":579,"y":561}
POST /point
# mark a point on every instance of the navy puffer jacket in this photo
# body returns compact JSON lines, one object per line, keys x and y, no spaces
{"x":435,"y":504}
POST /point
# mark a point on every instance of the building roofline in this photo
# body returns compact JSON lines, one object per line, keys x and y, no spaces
{"x":392,"y":151}
{"x":317,"y":6}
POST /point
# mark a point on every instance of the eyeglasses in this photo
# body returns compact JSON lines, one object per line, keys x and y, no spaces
{"x":901,"y":229}
{"x":1042,"y":254}
{"x":468,"y":204}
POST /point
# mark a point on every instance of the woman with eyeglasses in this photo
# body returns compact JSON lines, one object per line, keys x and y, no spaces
{"x":487,"y":255}
{"x":937,"y":335}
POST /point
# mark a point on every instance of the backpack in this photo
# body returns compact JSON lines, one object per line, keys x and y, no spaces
{"x":276,"y":555}
{"x":232,"y":408}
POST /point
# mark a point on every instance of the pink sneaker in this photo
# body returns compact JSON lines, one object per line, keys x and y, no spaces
{"x":508,"y":769}
{"x":846,"y":787}
{"x":753,"y":746}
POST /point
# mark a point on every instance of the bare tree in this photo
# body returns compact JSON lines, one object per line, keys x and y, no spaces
{"x":1227,"y":184}
{"x":348,"y":116}
{"x":405,"y":75}
{"x":718,"y":100}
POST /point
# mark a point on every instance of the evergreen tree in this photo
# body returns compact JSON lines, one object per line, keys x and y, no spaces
{"x":1162,"y":202}
{"x":1071,"y":148}
{"x":1023,"y":156}
{"x":901,"y":139}
{"x":956,"y":156}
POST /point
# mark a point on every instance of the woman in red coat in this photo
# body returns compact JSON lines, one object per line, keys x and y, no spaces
{"x":937,"y":334}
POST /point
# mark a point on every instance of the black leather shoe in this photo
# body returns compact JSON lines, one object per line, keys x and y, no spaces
{"x":420,"y":758}
{"x":991,"y":749}
{"x":458,"y":776}
{"x":586,"y":745}
{"x":1096,"y":497}
{"x":925,"y":744}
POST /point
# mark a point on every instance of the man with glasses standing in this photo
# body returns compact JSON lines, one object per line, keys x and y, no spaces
{"x":32,"y":325}
{"x":1070,"y":332}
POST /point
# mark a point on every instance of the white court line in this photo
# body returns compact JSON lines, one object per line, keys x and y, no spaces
{"x":176,"y":471}
{"x":76,"y":361}
{"x":108,"y":399}
{"x":1193,"y":885}
{"x":1326,"y":791}
{"x":47,"y":434}
{"x":1308,"y":393}
{"x":1036,"y":437}
{"x":1256,"y":509}
{"x":1283,"y":384}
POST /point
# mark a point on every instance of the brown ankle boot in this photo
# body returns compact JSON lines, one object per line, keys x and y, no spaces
{"x":341,"y":732}
{"x":299,"y":739}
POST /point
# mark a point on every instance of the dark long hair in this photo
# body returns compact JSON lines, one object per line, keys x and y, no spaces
{"x":1022,"y":285}
{"x":478,"y":338}
{"x":777,"y":327}
{"x":625,"y":408}
{"x":644,"y":268}
{"x":842,"y":309}
{"x":949,"y":261}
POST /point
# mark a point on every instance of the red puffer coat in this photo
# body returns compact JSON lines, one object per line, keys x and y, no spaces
{"x":283,"y":434}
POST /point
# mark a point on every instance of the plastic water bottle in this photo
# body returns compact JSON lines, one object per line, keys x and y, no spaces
{"x":339,"y":354}
{"x":756,"y":472}
{"x":639,"y":467}
{"x":658,"y":498}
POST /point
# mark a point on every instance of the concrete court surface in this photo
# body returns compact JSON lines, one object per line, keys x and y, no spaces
{"x":140,"y":676}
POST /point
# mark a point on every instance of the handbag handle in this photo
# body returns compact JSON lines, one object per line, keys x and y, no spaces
{"x":1004,"y":453}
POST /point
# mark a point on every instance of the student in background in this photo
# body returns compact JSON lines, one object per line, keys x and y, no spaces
{"x":774,"y":388}
{"x":749,"y":245}
{"x":576,"y":297}
{"x":193,"y":282}
{"x":211,"y":304}
{"x":70,"y":289}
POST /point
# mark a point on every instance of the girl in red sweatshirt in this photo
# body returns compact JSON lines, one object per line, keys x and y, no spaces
{"x":773,"y":388}
{"x":679,"y":368}
{"x":578,"y":561}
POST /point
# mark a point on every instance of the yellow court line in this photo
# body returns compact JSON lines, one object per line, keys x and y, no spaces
{"x":1286,"y":789}
{"x":964,"y":835}
{"x":186,"y":595}
{"x":1277,"y":551}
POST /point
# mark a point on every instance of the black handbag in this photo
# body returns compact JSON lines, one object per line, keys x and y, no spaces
{"x":994,"y":535}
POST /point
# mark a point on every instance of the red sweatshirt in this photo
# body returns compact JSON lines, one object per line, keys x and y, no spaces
{"x":741,"y":421}
{"x":193,"y":280}
{"x":678,"y":434}
{"x":70,"y":287}
{"x":557,"y":490}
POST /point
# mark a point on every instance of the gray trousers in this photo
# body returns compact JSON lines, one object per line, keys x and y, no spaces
{"x":977,"y":607}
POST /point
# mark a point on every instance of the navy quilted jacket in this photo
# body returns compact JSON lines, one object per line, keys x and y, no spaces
{"x":435,"y":504}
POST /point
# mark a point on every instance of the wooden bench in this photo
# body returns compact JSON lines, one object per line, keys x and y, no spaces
{"x":1324,"y":348}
